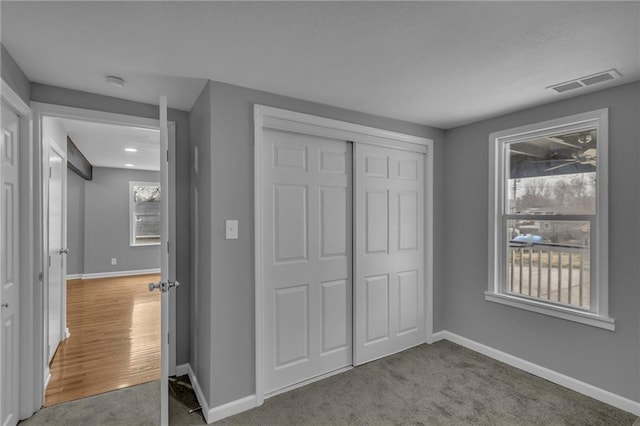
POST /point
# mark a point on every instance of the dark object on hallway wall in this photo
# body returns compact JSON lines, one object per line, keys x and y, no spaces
{"x":77,"y":162}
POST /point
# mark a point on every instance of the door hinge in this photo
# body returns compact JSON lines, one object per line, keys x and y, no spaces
{"x":167,"y":156}
{"x":168,"y":251}
{"x":49,"y":261}
{"x":50,"y":172}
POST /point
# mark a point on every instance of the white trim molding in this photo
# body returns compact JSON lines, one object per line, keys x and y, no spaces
{"x":221,"y":411}
{"x":563,"y":312}
{"x":199,"y":394}
{"x":30,"y":392}
{"x":597,"y":314}
{"x":281,"y":119}
{"x":33,"y":345}
{"x":231,"y":408}
{"x":114,"y":274}
{"x":537,"y":370}
{"x":182,"y":369}
{"x":13,"y":100}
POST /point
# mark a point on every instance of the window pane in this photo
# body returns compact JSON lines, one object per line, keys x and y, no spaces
{"x":549,"y":260}
{"x":552,"y":174}
{"x":146,"y":214}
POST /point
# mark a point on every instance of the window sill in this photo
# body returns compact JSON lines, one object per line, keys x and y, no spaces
{"x":566,"y":313}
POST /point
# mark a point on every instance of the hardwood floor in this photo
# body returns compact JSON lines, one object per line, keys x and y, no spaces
{"x":115,"y":338}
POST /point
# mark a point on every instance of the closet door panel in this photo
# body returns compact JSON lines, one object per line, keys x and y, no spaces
{"x":306,"y":251}
{"x":388,"y":251}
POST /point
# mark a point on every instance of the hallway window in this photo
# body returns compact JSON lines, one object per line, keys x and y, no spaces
{"x":144,"y":213}
{"x":548,"y":212}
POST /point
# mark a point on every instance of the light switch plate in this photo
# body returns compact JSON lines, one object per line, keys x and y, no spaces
{"x":231,"y":232}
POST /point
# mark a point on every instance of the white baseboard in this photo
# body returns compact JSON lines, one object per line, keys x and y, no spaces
{"x":231,"y":408}
{"x":545,"y":373}
{"x":199,"y":394}
{"x":47,"y":378}
{"x":113,"y":274}
{"x":436,"y":337}
{"x":220,"y":412}
{"x":182,"y":369}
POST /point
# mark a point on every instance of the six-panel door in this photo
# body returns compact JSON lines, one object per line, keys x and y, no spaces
{"x":306,"y":191}
{"x":389,"y":251}
{"x":9,"y":268}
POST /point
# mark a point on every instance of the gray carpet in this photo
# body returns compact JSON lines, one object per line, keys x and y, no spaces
{"x":439,"y":384}
{"x":136,"y":405}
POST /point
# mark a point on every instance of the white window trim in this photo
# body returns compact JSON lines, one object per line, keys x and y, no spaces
{"x":132,"y":223}
{"x":598,"y":316}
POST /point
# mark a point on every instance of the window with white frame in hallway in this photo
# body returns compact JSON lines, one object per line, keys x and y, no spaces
{"x":548,"y":218}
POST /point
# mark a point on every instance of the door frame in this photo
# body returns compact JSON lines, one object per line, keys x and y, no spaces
{"x":64,"y":331}
{"x":33,"y":326}
{"x":28,"y":259}
{"x":266,"y":117}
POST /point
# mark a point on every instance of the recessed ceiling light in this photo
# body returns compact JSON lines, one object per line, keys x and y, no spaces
{"x":128,"y":165}
{"x":114,"y":81}
{"x":131,"y":150}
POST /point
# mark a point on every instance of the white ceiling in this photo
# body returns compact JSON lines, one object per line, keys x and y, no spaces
{"x":103,"y":144}
{"x":438,"y":63}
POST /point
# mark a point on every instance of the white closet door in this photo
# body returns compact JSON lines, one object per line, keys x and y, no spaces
{"x":307,"y":305}
{"x":389,"y":251}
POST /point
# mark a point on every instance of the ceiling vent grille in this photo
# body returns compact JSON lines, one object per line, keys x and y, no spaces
{"x":586,"y":81}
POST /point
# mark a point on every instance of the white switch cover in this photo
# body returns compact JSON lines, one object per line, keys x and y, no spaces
{"x":231,"y":230}
{"x":114,"y":261}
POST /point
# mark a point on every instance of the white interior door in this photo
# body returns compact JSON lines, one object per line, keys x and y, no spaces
{"x":164,"y":264}
{"x":56,"y":249}
{"x":389,"y":251}
{"x":307,"y":292}
{"x":9,"y":269}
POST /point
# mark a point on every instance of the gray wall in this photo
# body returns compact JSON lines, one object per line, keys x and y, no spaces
{"x":13,"y":75}
{"x":200,"y":303}
{"x":609,"y":360}
{"x":106,"y":222}
{"x":232,"y":191}
{"x":75,"y":223}
{"x":74,"y":98}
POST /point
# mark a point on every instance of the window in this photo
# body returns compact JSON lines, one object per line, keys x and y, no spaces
{"x":548,"y":218}
{"x":144,"y":213}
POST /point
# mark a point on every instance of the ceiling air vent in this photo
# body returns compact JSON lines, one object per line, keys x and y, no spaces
{"x":588,"y":80}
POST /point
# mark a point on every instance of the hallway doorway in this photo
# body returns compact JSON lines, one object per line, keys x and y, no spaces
{"x":114,"y":341}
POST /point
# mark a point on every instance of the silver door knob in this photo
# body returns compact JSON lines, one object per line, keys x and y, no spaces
{"x":5,"y":305}
{"x":153,"y":286}
{"x":64,"y":251}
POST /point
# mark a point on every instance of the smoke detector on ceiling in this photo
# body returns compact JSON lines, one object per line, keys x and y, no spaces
{"x":586,"y":81}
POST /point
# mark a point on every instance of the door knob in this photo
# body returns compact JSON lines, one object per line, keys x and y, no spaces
{"x":163,"y":286}
{"x":5,"y":305}
{"x":64,"y":251}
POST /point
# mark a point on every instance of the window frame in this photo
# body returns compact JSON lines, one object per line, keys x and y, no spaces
{"x":132,"y":213}
{"x":598,"y":313}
